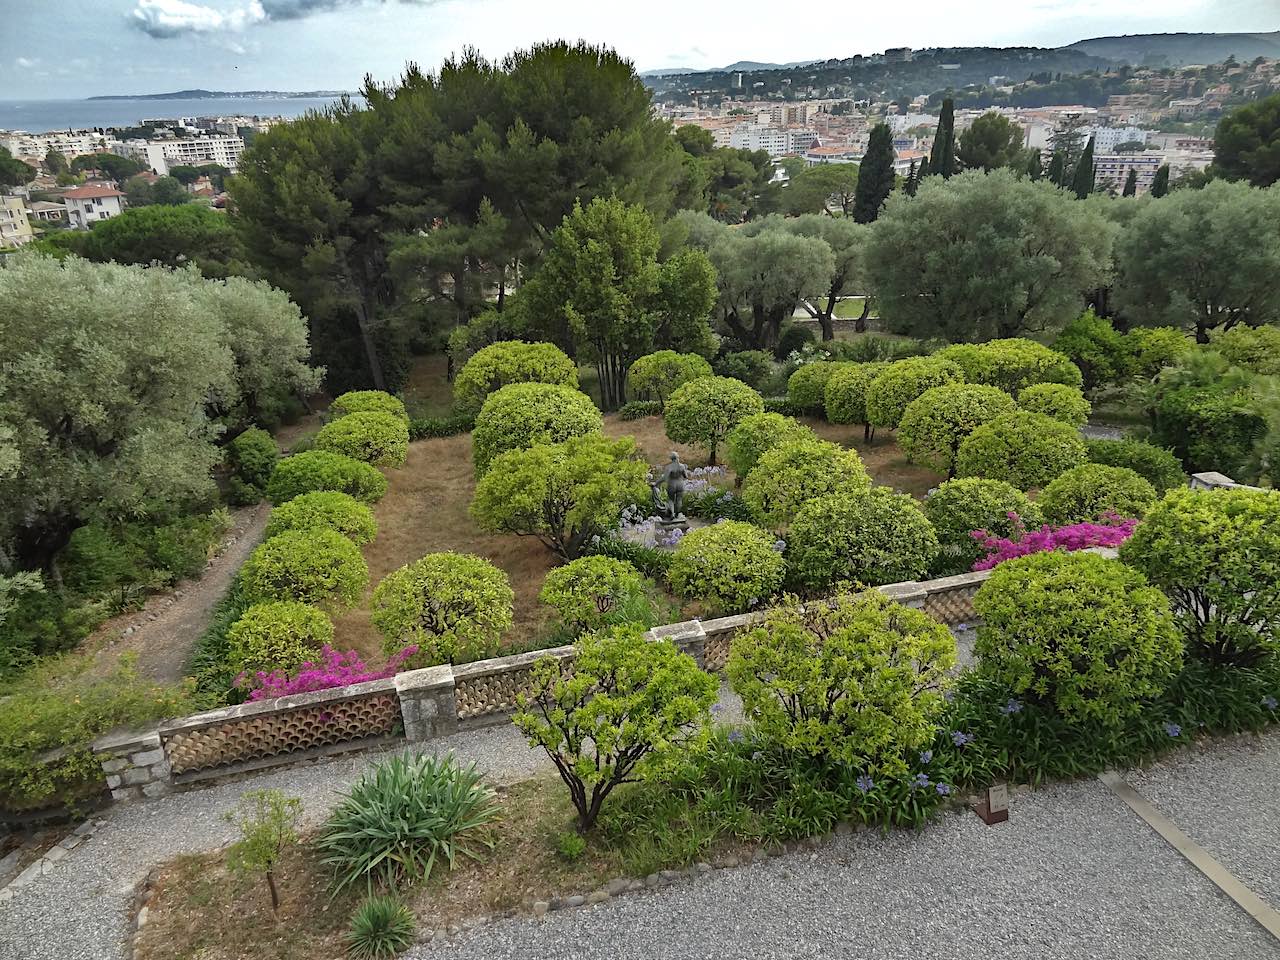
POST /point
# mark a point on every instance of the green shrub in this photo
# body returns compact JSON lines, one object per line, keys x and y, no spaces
{"x":859,"y":680}
{"x":731,"y":565}
{"x":1026,"y":449}
{"x":511,"y":361}
{"x":381,"y":927}
{"x":281,"y":635}
{"x":451,"y":606}
{"x":781,"y":405}
{"x":627,"y":704}
{"x":521,"y":415}
{"x":650,"y":561}
{"x":210,"y":661}
{"x":935,"y":423}
{"x":367,"y":401}
{"x":656,"y":375}
{"x":1012,"y":364}
{"x":1208,"y":428}
{"x":639,"y":409}
{"x":1058,"y":401}
{"x":1091,"y":491}
{"x":845,"y":396}
{"x":703,"y":411}
{"x":252,"y":456}
{"x":752,"y":367}
{"x":428,"y":428}
{"x":756,"y":435}
{"x":1254,"y":348}
{"x":901,"y":382}
{"x":1217,"y":555}
{"x":181,"y":548}
{"x":792,"y":472}
{"x":327,"y":510}
{"x":268,"y":822}
{"x":1083,"y":633}
{"x":870,"y":538}
{"x":1102,"y":352}
{"x":807,"y":387}
{"x":309,"y":566}
{"x":569,"y":845}
{"x":593,"y":592}
{"x":958,"y":507}
{"x":1160,"y":467}
{"x":321,"y":470}
{"x":1151,"y":349}
{"x":378,"y":438}
{"x":402,"y":819}
{"x":792,"y":338}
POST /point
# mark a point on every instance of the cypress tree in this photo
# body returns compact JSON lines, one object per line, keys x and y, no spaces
{"x":1160,"y":185}
{"x":1057,"y":164}
{"x":875,"y":175}
{"x":1034,"y":170}
{"x":1082,"y":182}
{"x":942,"y":158}
{"x":912,"y":184}
{"x":922,"y":172}
{"x":1130,"y":183}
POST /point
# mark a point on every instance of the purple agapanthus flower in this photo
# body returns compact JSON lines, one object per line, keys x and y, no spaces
{"x":1012,"y":707}
{"x":864,"y":783}
{"x":926,"y":757}
{"x":960,"y":738}
{"x":1269,"y":702}
{"x":735,"y":736}
{"x":943,"y":789}
{"x":1172,"y":729}
{"x":921,"y":780}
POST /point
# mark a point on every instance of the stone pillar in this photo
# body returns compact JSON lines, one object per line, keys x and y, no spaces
{"x":135,"y":764}
{"x":427,"y":702}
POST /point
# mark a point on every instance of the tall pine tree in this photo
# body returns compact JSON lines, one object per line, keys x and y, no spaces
{"x":1057,"y":164}
{"x":1130,"y":183}
{"x":875,"y":175}
{"x":912,"y":183}
{"x":942,"y":158}
{"x":1160,"y":185}
{"x":1034,"y":170}
{"x":1082,"y":182}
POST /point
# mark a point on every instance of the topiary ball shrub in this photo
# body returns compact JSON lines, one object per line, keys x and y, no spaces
{"x":510,"y":361}
{"x":935,"y":423}
{"x":309,"y":566}
{"x":656,"y":375}
{"x":857,"y":681}
{"x":1012,"y":364}
{"x":518,"y":416}
{"x":1086,"y":635}
{"x":870,"y":538}
{"x":1159,"y":466}
{"x":328,"y":510}
{"x":1025,"y":449}
{"x":454,"y":607}
{"x":959,"y":507}
{"x":282,"y":635}
{"x":903,"y":381}
{"x":322,"y":470}
{"x":1091,"y":491}
{"x":252,"y":456}
{"x":845,"y":397}
{"x":1151,"y":349}
{"x":593,"y":592}
{"x":757,"y":434}
{"x":703,"y":411}
{"x":793,"y":472}
{"x":731,"y":565}
{"x":1056,"y":400}
{"x":1216,"y":553}
{"x":807,"y":387}
{"x":370,"y":437}
{"x":367,"y":401}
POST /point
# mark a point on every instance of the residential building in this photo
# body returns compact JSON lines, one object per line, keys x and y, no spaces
{"x":1187,"y":107}
{"x":71,"y":144}
{"x":161,"y":155}
{"x":92,"y":202}
{"x":1106,"y":139}
{"x":1112,"y":169}
{"x":45,"y":211}
{"x":15,"y":228}
{"x":846,"y":153}
{"x":897,"y":54}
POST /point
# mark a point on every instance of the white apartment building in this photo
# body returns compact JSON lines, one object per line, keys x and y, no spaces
{"x":773,"y":140}
{"x":88,"y":204}
{"x":15,"y":228}
{"x":1111,"y":170}
{"x":160,"y":155}
{"x":1106,"y":139}
{"x":22,"y":144}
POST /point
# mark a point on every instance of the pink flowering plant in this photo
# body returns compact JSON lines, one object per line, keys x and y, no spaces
{"x":334,"y":669}
{"x":1111,"y":531}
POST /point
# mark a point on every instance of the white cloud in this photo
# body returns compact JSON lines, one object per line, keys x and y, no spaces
{"x":26,"y":63}
{"x":172,"y":18}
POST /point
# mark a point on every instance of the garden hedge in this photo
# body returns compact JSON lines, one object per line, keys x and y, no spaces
{"x":369,"y":436}
{"x":935,"y":423}
{"x":703,"y":411}
{"x":807,"y":386}
{"x":310,"y":566}
{"x":731,"y":565}
{"x":1012,"y":364}
{"x":793,"y":472}
{"x":592,"y":592}
{"x":322,"y":470}
{"x":845,"y":397}
{"x":1091,"y":491}
{"x":253,"y":456}
{"x":1160,"y":467}
{"x":1026,"y":449}
{"x":520,"y":415}
{"x":510,"y":361}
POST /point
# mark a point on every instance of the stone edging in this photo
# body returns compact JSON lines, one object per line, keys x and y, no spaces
{"x":51,"y":858}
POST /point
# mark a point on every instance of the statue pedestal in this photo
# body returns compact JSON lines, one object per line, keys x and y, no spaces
{"x":681,"y":522}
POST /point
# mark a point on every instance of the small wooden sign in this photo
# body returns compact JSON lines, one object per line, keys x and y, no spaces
{"x":994,"y":806}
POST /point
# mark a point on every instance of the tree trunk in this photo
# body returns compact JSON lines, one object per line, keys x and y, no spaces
{"x":370,"y":348}
{"x":275,"y":897}
{"x":860,"y":325}
{"x":824,"y":318}
{"x":1202,"y":330}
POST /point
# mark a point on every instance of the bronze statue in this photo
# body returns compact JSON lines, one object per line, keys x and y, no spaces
{"x":674,"y":478}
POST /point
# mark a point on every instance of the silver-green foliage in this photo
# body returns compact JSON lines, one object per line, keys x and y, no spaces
{"x":268,"y":822}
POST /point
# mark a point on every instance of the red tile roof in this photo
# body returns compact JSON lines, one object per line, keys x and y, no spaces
{"x":90,"y":192}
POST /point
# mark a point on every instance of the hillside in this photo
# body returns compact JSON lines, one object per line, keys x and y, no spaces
{"x":1178,"y":49}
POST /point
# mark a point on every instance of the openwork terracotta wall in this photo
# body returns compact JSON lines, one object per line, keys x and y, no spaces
{"x":488,"y":688}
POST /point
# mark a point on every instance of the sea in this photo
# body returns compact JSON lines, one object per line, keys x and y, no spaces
{"x":43,"y":116}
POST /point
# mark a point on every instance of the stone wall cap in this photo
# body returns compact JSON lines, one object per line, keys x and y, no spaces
{"x":730,"y":624}
{"x":902,"y":592}
{"x":517,"y":661}
{"x":127,"y":741}
{"x":428,"y":678}
{"x":679,"y":631}
{"x":956,"y":582}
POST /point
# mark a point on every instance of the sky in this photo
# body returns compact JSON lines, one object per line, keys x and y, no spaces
{"x":65,"y":49}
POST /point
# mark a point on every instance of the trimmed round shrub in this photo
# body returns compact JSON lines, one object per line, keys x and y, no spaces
{"x":1151,"y":349}
{"x":733,"y":566}
{"x":367,"y":401}
{"x":328,"y":510}
{"x":752,"y":367}
{"x":1216,"y":553}
{"x":1012,"y":364}
{"x":282,"y":635}
{"x":795,"y":471}
{"x":454,"y":607}
{"x":904,"y":380}
{"x":858,"y":681}
{"x":1078,"y":632}
{"x":1056,"y":400}
{"x":370,"y":437}
{"x":594,"y":592}
{"x":703,"y":411}
{"x":1026,"y":449}
{"x":757,"y":434}
{"x":511,"y":361}
{"x":1158,"y":466}
{"x":959,"y":507}
{"x":322,"y":470}
{"x":252,"y":456}
{"x":1091,"y":490}
{"x":309,"y":566}
{"x":1254,"y":348}
{"x":807,"y":387}
{"x":870,"y":539}
{"x":518,"y":416}
{"x":845,"y":397}
{"x":656,"y":375}
{"x":935,"y":423}
{"x":1097,"y":348}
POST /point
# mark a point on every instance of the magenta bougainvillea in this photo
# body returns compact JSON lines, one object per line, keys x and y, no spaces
{"x":1112,"y":531}
{"x":334,"y":669}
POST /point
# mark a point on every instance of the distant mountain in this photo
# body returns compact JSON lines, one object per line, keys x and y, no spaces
{"x":741,"y":65}
{"x":224,"y":95}
{"x":1179,"y":49}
